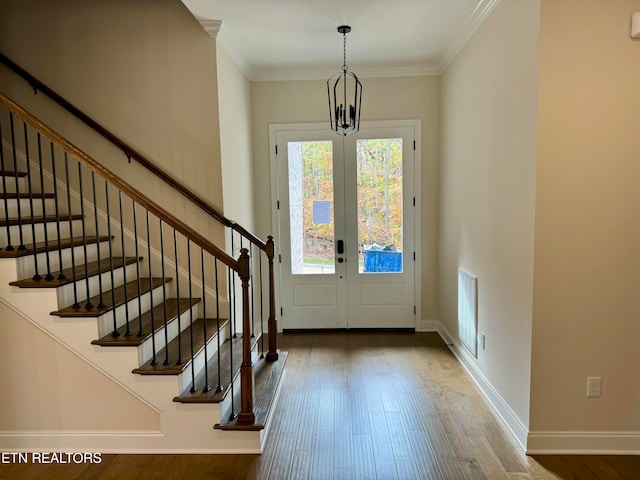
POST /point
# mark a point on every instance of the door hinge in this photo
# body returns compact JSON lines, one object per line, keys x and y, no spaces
{"x":276,"y":149}
{"x":414,"y":201}
{"x":414,"y":256}
{"x":414,"y":145}
{"x":415,"y":310}
{"x":278,"y":204}
{"x":280,"y":258}
{"x":281,"y":312}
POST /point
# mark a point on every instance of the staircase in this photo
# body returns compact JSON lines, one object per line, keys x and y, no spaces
{"x":133,"y":291}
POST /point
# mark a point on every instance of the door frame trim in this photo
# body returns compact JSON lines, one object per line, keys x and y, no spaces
{"x":416,"y":124}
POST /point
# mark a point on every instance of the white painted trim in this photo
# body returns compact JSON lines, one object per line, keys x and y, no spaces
{"x":582,"y":443}
{"x":501,"y":408}
{"x":224,"y":40}
{"x":416,"y":125}
{"x":471,"y":26}
{"x":322,"y":73}
{"x":428,"y":326}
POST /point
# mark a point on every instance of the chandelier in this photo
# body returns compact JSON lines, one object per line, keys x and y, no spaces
{"x":345,"y":95}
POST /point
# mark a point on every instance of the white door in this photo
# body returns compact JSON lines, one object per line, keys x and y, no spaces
{"x":346,"y":227}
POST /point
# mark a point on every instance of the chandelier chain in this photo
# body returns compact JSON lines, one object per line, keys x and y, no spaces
{"x":344,"y":52}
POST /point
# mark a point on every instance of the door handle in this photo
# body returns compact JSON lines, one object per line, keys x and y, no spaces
{"x":340,"y":247}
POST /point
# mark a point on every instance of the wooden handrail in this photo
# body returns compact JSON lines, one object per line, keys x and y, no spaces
{"x":107,"y":174}
{"x":131,"y":153}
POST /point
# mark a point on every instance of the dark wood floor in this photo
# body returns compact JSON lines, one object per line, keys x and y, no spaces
{"x":363,"y":406}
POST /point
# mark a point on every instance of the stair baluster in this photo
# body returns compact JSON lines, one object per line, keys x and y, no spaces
{"x":124,"y":270}
{"x":194,"y":387}
{"x":8,"y":247}
{"x":115,"y":332}
{"x":175,"y":259}
{"x":48,"y":276}
{"x":17,"y":182}
{"x":206,"y":387}
{"x":167,"y":361}
{"x":76,"y":305}
{"x":61,"y":275}
{"x":215,"y":272}
{"x":88,"y":305}
{"x":97,"y":227}
{"x":154,"y":360}
{"x":138,"y":277}
{"x":36,"y":275}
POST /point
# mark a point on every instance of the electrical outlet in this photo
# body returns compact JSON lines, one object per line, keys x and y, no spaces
{"x":482,"y":341}
{"x":594,"y":387}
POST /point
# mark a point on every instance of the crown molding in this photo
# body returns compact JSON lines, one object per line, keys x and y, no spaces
{"x":322,"y":73}
{"x":470,"y":27}
{"x":217,"y":30}
{"x":212,"y":27}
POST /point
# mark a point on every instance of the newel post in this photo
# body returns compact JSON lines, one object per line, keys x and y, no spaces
{"x":272,"y":326}
{"x":246,"y":415}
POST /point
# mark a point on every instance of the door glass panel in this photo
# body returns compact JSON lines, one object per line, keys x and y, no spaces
{"x":311,"y":207}
{"x":379,"y":187}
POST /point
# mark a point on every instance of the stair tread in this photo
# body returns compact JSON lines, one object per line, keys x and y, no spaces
{"x":12,"y":173}
{"x":52,"y":245}
{"x":26,"y":195}
{"x":131,"y":290}
{"x":267,"y":377}
{"x":173,"y":310}
{"x":184,"y":342}
{"x":214,"y":395}
{"x":39,"y":219}
{"x":80,"y":272}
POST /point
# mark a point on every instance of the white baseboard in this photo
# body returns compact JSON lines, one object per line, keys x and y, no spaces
{"x":581,"y":443}
{"x":428,"y":325}
{"x":511,"y":421}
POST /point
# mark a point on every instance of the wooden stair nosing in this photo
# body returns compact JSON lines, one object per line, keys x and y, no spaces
{"x":173,"y":311}
{"x":12,"y":173}
{"x":214,"y":396}
{"x":267,"y":378}
{"x":14,"y":221}
{"x":27,"y":195}
{"x":131,"y":289}
{"x":52,"y":246}
{"x":81,"y":273}
{"x":184,"y":341}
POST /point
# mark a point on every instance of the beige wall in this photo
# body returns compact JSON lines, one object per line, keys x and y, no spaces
{"x":586,"y":301}
{"x":143,"y":69}
{"x":41,"y":368}
{"x":487,"y":191}
{"x":234,"y":102}
{"x":383,"y":99}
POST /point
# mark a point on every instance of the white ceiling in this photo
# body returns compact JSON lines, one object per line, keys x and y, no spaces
{"x":298,"y":39}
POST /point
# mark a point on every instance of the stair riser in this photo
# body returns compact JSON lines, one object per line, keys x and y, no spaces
{"x":105,"y":321}
{"x":51,"y":229}
{"x":10,"y":185}
{"x":145,"y":349}
{"x":25,"y":207}
{"x":26,"y":265}
{"x":65,"y":293}
{"x":184,"y":379}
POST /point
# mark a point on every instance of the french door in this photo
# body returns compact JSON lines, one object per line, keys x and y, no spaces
{"x":346,"y":226}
